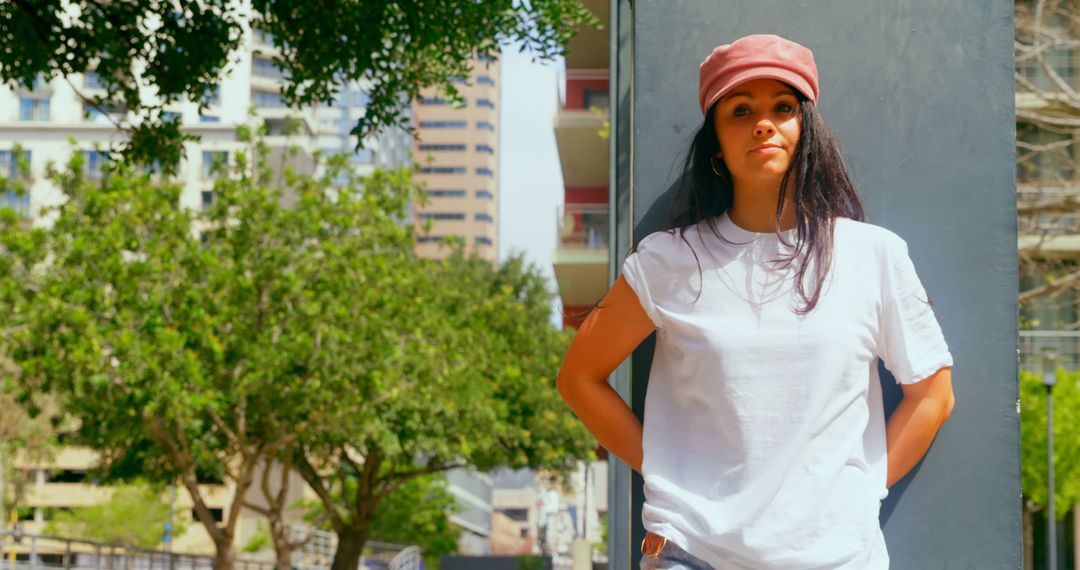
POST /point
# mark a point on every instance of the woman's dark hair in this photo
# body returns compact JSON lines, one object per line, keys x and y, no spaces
{"x":822,"y":192}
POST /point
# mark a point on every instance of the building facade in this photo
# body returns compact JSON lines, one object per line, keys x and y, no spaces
{"x":576,"y":520}
{"x":457,"y":156}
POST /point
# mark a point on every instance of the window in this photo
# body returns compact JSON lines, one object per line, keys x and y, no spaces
{"x":446,"y":193}
{"x":486,"y":57}
{"x":209,"y":119}
{"x":484,"y":217}
{"x":485,"y":103}
{"x":212,"y":161}
{"x":103,"y":114}
{"x":441,"y":215}
{"x":172,"y":115}
{"x":520,"y":515}
{"x":484,"y":171}
{"x":458,"y":80}
{"x":267,"y":99}
{"x":485,"y":80}
{"x":485,"y":149}
{"x":68,"y":476}
{"x":596,"y":98}
{"x":10,"y":168}
{"x":93,"y":161}
{"x":433,"y":101}
{"x":442,"y":147}
{"x":482,"y":240}
{"x":18,"y":201}
{"x":485,"y":126}
{"x":212,"y":95}
{"x":262,"y":67}
{"x":442,"y":170}
{"x":9,"y":163}
{"x":91,"y":80}
{"x":33,"y":109}
{"x":430,"y":239}
{"x":442,"y":124}
{"x":484,"y":195}
{"x":207,"y":198}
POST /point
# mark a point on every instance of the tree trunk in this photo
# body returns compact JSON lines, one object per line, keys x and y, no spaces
{"x":349,"y":547}
{"x":225,"y":556}
{"x":1029,"y":537}
{"x":282,"y":546}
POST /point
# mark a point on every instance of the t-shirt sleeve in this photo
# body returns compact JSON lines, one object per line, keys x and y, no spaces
{"x":635,"y":272}
{"x":910,"y":340}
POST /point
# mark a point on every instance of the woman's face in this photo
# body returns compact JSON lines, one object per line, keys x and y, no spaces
{"x":758,"y":127}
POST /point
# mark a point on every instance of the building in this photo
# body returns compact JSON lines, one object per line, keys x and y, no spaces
{"x":457,"y":154}
{"x":581,"y":256}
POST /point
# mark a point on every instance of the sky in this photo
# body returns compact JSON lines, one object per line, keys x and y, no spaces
{"x":530,"y":178}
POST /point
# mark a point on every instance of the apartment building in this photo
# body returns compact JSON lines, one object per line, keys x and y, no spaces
{"x":457,"y":152}
{"x":581,"y":255}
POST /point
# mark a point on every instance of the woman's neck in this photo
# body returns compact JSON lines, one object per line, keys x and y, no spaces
{"x":755,"y":210}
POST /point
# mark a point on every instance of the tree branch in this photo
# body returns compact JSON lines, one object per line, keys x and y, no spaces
{"x":314,"y":480}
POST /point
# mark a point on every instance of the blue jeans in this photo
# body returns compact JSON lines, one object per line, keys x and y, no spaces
{"x":671,"y":557}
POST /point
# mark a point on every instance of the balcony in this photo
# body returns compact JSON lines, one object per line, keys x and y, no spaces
{"x":583,"y":151}
{"x":581,"y":255}
{"x":589,"y":49}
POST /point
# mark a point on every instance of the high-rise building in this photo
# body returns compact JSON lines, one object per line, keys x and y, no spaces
{"x":457,"y":152}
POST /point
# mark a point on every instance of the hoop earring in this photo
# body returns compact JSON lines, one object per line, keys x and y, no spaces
{"x":712,"y":163}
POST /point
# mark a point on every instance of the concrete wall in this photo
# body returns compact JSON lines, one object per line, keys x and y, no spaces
{"x":920,"y":95}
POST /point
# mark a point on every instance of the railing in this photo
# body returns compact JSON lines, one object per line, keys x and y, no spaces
{"x":22,"y":551}
{"x":37,"y":552}
{"x":583,"y":226}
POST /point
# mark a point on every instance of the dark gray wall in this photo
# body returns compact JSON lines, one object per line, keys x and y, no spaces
{"x":920,"y":95}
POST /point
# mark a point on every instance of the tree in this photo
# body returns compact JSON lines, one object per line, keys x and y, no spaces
{"x":134,"y":514}
{"x":457,"y":369}
{"x":1048,"y":120}
{"x":150,"y":54}
{"x":308,"y":334}
{"x":29,"y":425}
{"x":418,"y":513}
{"x":1033,"y":446}
{"x":166,"y":348}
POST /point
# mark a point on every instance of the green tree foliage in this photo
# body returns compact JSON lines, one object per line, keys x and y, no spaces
{"x":150,"y":54}
{"x":458,"y":368}
{"x":418,"y":513}
{"x":1066,"y":444}
{"x":134,"y":514}
{"x":286,"y":323}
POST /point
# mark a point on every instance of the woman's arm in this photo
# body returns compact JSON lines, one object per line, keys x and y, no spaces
{"x":611,"y":332}
{"x":916,"y":421}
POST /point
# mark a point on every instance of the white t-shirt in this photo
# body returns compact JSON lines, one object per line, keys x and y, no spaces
{"x":764,"y":433}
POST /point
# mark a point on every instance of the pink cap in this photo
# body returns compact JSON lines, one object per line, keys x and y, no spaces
{"x":756,"y":57}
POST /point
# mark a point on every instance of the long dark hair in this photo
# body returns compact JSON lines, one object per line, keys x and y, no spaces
{"x":823,"y":191}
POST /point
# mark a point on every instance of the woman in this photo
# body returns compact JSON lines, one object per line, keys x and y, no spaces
{"x":764,"y":442}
